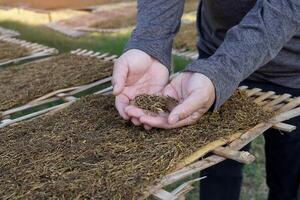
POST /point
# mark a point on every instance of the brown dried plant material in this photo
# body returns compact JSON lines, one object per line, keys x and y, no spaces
{"x":23,"y":83}
{"x":87,"y":151}
{"x":10,"y":51}
{"x":119,"y":19}
{"x":155,"y":103}
{"x":187,"y":37}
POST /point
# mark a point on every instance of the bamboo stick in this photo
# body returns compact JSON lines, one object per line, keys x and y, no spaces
{"x":164,"y":195}
{"x":253,"y":91}
{"x":239,"y":156}
{"x":264,"y":96}
{"x":277,"y":100}
{"x":53,"y":94}
{"x":214,"y":159}
{"x":284,"y":127}
{"x":293,"y":104}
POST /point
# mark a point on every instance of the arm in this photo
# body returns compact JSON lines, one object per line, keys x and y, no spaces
{"x":157,"y":23}
{"x":255,"y":41}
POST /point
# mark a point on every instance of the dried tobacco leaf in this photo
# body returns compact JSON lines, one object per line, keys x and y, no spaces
{"x":23,"y":83}
{"x":87,"y":151}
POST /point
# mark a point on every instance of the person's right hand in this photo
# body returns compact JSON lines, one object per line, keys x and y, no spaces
{"x":135,"y":72}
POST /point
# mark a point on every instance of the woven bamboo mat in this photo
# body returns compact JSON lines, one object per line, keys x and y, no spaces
{"x":35,"y":50}
{"x":285,"y":106}
{"x":60,"y":94}
{"x":81,"y":25}
{"x":8,"y":32}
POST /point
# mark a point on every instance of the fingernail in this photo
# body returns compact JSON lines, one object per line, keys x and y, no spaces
{"x":173,"y":119}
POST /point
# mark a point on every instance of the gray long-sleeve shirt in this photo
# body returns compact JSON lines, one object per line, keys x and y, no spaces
{"x":260,"y":38}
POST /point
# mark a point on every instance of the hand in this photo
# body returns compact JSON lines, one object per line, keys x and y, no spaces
{"x":135,"y":72}
{"x":195,"y":93}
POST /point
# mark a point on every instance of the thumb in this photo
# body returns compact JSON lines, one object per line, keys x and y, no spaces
{"x":193,"y":103}
{"x":170,"y":91}
{"x":119,"y":77}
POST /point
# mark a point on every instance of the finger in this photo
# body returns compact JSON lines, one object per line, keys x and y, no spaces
{"x":161,"y":122}
{"x":194,"y":102}
{"x":147,"y":127}
{"x":192,"y":119}
{"x":154,"y":121}
{"x":135,"y":121}
{"x":133,"y":111}
{"x":121,"y":103}
{"x":170,"y":91}
{"x":120,"y":73}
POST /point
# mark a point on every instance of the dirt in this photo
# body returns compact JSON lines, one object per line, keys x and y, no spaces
{"x":56,"y":4}
{"x":155,"y":103}
{"x":187,"y":37}
{"x":23,"y":83}
{"x":88,"y":152}
{"x":10,"y":51}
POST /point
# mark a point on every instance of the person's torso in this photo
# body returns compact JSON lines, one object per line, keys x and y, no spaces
{"x":216,"y":17}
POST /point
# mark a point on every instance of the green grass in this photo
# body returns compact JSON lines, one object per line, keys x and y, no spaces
{"x":97,"y":42}
{"x":112,"y":43}
{"x":254,"y":187}
{"x":255,"y":174}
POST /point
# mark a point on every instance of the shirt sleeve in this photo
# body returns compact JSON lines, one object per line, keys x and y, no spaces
{"x":157,"y":23}
{"x":252,"y":43}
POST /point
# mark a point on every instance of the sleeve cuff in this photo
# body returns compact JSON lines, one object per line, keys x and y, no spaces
{"x":224,"y":82}
{"x":160,"y":50}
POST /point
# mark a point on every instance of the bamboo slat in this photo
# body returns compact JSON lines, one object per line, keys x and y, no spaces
{"x":8,"y":33}
{"x":36,"y":50}
{"x":287,"y":107}
{"x":66,"y":94}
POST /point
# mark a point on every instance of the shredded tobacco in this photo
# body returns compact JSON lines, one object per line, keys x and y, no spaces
{"x":88,"y":152}
{"x":11,"y":51}
{"x":155,"y":103}
{"x":23,"y":83}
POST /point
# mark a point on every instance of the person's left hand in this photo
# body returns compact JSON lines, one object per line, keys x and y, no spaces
{"x":195,"y":93}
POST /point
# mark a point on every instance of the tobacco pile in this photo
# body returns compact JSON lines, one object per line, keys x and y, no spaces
{"x":23,"y":83}
{"x":11,"y":51}
{"x":187,"y":37}
{"x":155,"y":103}
{"x":87,"y":151}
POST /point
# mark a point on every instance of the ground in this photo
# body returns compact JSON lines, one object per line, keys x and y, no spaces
{"x":56,"y":4}
{"x":254,"y":187}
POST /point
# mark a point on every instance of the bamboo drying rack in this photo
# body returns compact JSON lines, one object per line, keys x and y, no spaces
{"x":8,"y":33}
{"x":67,"y":95}
{"x":78,"y":31}
{"x":36,"y":50}
{"x":285,"y":106}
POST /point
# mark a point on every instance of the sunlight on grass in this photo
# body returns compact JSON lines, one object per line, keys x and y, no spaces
{"x":31,"y":17}
{"x":97,"y":42}
{"x":190,"y":17}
